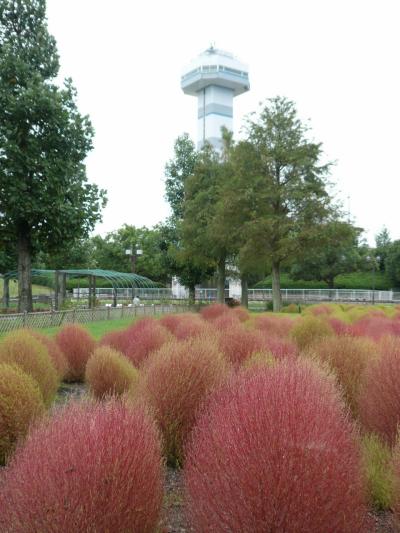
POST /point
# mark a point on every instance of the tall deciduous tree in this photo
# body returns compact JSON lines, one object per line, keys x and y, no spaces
{"x":286,"y":186}
{"x":45,"y":199}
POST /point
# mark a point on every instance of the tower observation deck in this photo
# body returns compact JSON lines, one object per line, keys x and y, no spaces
{"x":215,"y":77}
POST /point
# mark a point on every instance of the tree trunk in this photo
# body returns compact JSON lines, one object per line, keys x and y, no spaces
{"x":276,"y":287}
{"x":24,"y":269}
{"x":192,"y":294}
{"x":331,"y":282}
{"x":245,"y":292}
{"x":6,"y":293}
{"x":221,"y":280}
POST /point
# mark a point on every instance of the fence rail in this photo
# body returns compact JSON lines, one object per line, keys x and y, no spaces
{"x":47,"y":319}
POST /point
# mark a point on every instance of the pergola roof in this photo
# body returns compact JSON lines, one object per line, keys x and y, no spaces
{"x":117,"y":279}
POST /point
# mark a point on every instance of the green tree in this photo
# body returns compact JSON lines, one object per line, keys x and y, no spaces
{"x":45,"y":199}
{"x":177,"y":257}
{"x":336,"y":252}
{"x":286,"y":191}
{"x":382,"y":243}
{"x":207,"y":234}
{"x":392,"y":264}
{"x":177,"y":170}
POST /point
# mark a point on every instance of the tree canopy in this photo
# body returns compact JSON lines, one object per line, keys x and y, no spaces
{"x":45,"y":198}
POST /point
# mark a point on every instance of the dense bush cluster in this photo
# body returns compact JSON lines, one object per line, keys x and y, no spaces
{"x":281,"y":422}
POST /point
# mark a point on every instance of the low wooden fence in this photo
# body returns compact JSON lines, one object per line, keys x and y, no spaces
{"x":47,"y":319}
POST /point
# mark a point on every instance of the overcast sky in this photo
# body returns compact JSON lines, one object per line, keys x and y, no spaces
{"x":337,"y":59}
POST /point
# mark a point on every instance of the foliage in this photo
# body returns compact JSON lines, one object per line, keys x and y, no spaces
{"x":21,"y":402}
{"x":145,"y":336}
{"x":106,"y":461}
{"x":310,"y":330}
{"x":22,"y":349}
{"x":77,"y":345}
{"x":176,"y":380}
{"x":177,"y":171}
{"x":275,"y":451}
{"x":392,"y":264}
{"x":238,"y":344}
{"x":43,"y":144}
{"x":336,"y":252}
{"x":213,"y":311}
{"x":56,"y":355}
{"x":275,"y":326}
{"x":379,"y":401}
{"x":377,"y":464}
{"x":382,"y":246}
{"x":347,"y":357}
{"x":108,"y":372}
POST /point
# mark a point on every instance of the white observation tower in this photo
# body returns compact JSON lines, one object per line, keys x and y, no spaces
{"x":215,"y":77}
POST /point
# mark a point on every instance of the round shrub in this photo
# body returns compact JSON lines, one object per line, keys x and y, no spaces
{"x":278,"y":326}
{"x":274,"y":450}
{"x":171,"y":322}
{"x":191,"y":326}
{"x":22,"y":349}
{"x":58,"y":358}
{"x":375,"y":326}
{"x":226,"y":321}
{"x":348,"y":358}
{"x":144,"y":337}
{"x":176,"y":380}
{"x":115,"y":339}
{"x":77,"y":345}
{"x":379,"y":398}
{"x":241,"y":313}
{"x":310,"y":329}
{"x":238,"y":343}
{"x":21,"y":402}
{"x":91,"y":467}
{"x":280,"y":347}
{"x":108,"y":372}
{"x":395,"y":493}
{"x":210,"y":312}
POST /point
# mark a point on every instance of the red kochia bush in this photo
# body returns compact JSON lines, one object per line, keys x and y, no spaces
{"x":280,"y":348}
{"x":144,"y":337}
{"x":280,"y":326}
{"x":241,"y":313}
{"x":375,"y":326}
{"x":176,"y":380}
{"x":379,"y":400}
{"x":191,"y":326}
{"x":90,"y":468}
{"x":238,"y":344}
{"x":171,"y":322}
{"x":210,"y":312}
{"x":77,"y":345}
{"x":275,"y":451}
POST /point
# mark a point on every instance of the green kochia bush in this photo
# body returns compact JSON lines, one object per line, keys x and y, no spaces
{"x":91,"y":467}
{"x":22,"y":349}
{"x":21,"y":402}
{"x":275,"y":450}
{"x":108,"y":372}
{"x":378,"y":470}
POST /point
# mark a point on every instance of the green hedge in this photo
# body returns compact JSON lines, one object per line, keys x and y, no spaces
{"x":355,"y":280}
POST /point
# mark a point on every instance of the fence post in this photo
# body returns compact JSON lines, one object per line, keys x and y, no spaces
{"x":108,"y":313}
{"x":74,"y":315}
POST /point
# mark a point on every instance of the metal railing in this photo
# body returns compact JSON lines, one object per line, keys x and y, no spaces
{"x":47,"y":319}
{"x":327,"y":295}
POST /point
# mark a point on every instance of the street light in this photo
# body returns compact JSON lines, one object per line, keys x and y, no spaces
{"x":134,"y":254}
{"x":374,"y":261}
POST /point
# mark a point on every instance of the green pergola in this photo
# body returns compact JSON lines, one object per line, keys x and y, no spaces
{"x":118,"y":280}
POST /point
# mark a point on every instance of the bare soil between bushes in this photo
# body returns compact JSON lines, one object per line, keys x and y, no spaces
{"x":174,"y":519}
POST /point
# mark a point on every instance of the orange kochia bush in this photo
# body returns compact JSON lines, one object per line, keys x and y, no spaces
{"x":175,"y":381}
{"x":274,"y":450}
{"x":77,"y":345}
{"x":90,"y":467}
